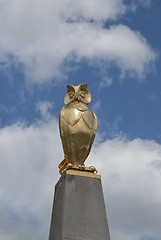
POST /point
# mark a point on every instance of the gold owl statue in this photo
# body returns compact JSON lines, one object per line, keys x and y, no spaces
{"x":78,"y":125}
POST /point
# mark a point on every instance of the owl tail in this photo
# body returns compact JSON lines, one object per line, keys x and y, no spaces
{"x":62,"y":166}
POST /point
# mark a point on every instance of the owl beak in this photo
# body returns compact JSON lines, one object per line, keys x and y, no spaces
{"x":77,"y":97}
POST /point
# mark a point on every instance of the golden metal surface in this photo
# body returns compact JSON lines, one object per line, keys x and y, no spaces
{"x":78,"y":125}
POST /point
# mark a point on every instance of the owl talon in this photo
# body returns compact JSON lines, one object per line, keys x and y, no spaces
{"x":81,"y":167}
{"x":93,"y":169}
{"x":69,"y":166}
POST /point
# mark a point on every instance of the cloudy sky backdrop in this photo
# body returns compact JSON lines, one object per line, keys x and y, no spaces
{"x":112,"y":45}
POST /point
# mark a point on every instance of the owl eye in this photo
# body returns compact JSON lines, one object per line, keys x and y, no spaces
{"x":82,"y":94}
{"x":71,"y":94}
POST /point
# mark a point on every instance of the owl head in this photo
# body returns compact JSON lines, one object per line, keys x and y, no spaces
{"x":78,"y":93}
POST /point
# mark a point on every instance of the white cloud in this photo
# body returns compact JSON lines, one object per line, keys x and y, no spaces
{"x":96,"y":106}
{"x":153,"y":97}
{"x":5,"y":113}
{"x":43,"y":34}
{"x":131,"y":176}
{"x":146,"y":3}
{"x":29,"y":157}
{"x":43,"y":107}
{"x":134,"y":4}
{"x":106,"y":82}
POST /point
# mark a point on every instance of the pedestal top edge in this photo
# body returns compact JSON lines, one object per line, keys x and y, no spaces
{"x":83,"y":173}
{"x":78,"y":173}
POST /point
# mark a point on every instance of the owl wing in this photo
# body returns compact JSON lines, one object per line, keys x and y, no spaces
{"x":94,"y":132}
{"x":95,"y":127}
{"x":61,"y":123}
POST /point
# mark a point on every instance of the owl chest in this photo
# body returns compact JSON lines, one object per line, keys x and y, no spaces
{"x":76,"y":121}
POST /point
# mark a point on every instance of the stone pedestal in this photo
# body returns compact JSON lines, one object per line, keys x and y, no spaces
{"x":78,"y":209}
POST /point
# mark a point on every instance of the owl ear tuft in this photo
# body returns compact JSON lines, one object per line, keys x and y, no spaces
{"x":70,"y":88}
{"x":84,"y":85}
{"x":87,"y":98}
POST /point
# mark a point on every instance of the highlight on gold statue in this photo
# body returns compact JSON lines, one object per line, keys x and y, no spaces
{"x":78,"y":125}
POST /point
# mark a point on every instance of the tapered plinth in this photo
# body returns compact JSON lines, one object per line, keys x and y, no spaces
{"x":79,"y":209}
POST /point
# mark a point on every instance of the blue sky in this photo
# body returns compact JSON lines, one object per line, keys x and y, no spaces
{"x":114,"y":47}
